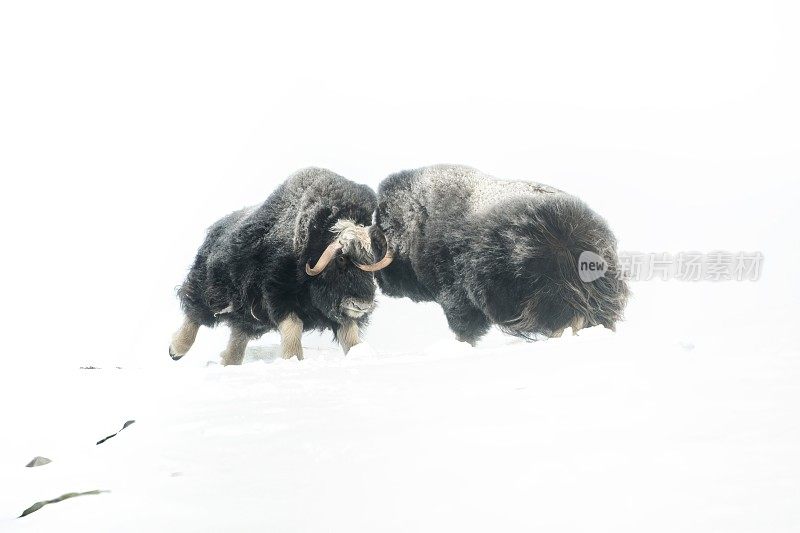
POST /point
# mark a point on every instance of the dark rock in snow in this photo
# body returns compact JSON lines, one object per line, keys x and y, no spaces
{"x":38,"y":461}
{"x":38,"y":505}
{"x":126,"y":424}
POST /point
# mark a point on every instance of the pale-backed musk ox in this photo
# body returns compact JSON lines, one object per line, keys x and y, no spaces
{"x":495,"y":252}
{"x":254,"y":270}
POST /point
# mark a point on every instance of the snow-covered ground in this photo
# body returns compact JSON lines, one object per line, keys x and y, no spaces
{"x":646,"y":429}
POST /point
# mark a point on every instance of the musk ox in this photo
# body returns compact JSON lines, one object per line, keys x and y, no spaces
{"x":254,"y":270}
{"x":491,"y":251}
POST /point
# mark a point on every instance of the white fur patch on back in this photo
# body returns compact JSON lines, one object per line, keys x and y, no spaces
{"x":490,"y":192}
{"x":484,"y":191}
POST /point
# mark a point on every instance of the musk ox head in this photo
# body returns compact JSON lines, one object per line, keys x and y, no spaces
{"x":342,"y":285}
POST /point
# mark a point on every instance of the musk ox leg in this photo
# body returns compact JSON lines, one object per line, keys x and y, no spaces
{"x":183,"y":339}
{"x":348,"y":335}
{"x":291,"y":330}
{"x":468,"y":323}
{"x":234,"y":352}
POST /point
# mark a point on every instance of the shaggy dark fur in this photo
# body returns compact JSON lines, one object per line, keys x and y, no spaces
{"x":495,"y":252}
{"x":253,"y":261}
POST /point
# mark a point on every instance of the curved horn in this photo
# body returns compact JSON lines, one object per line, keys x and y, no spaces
{"x":324,"y":259}
{"x":383,"y":263}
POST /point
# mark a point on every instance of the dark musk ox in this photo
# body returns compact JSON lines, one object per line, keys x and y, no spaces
{"x":254,"y":270}
{"x":491,"y":251}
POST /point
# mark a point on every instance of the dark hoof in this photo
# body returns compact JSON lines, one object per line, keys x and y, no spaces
{"x":172,"y":354}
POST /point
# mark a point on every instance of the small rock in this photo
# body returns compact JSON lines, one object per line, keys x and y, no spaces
{"x":38,"y":461}
{"x":126,"y":424}
{"x":38,"y":505}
